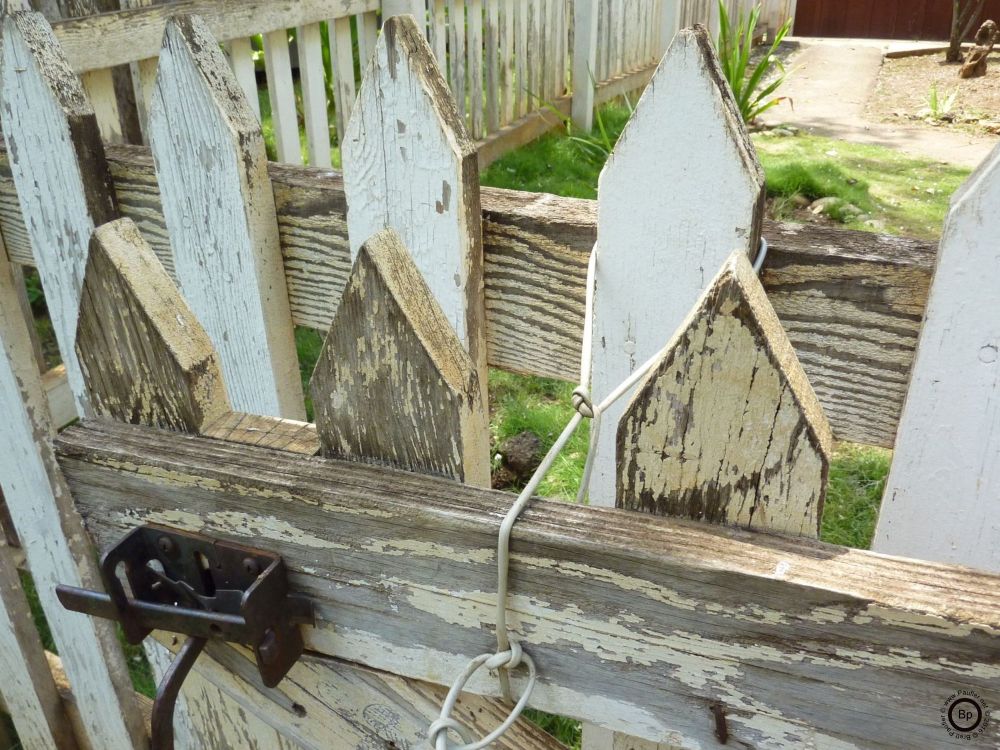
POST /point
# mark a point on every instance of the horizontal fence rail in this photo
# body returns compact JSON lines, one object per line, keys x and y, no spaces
{"x":851,"y":301}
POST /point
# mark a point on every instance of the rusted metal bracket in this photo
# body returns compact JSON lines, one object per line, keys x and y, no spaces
{"x":159,"y":578}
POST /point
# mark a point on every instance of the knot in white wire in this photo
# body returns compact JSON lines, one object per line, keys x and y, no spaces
{"x":513,"y":657}
{"x":582,"y":403}
{"x":509,"y":659}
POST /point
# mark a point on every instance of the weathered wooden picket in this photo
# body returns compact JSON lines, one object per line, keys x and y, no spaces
{"x":174,"y":277}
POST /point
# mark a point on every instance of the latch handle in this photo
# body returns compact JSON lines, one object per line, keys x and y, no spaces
{"x":159,"y":578}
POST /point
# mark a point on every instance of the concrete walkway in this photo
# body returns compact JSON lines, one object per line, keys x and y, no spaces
{"x":830,"y":86}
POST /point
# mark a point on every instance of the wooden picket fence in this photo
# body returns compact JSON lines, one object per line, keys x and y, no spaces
{"x":508,"y":63}
{"x":697,"y":608}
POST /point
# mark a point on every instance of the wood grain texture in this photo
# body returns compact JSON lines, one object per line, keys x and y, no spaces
{"x":324,"y":703}
{"x":145,"y":358}
{"x":52,"y":536}
{"x":851,"y":302}
{"x":941,"y":497}
{"x":126,"y":36}
{"x":57,"y":162}
{"x":29,"y":692}
{"x":409,"y":166}
{"x":726,"y":428}
{"x":637,"y":623}
{"x":657,"y":248}
{"x":219,"y":210}
{"x":393,"y":384}
{"x":250,"y":429}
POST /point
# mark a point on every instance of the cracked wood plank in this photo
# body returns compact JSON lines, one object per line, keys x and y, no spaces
{"x":393,"y":384}
{"x":851,"y":302}
{"x":638,"y":623}
{"x":726,"y":428}
{"x":410,"y":166}
{"x":220,"y":217}
{"x":58,"y":165}
{"x":29,"y":693}
{"x":57,"y":159}
{"x":657,"y":246}
{"x":145,"y":357}
{"x":940,"y":500}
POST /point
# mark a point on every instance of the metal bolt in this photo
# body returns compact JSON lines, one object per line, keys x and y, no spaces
{"x":268,"y":648}
{"x":250,"y":566}
{"x":166,"y":544}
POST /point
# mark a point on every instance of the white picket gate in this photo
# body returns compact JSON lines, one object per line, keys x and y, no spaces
{"x":175,"y":274}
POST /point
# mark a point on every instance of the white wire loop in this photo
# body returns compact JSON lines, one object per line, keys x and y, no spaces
{"x":506,"y":660}
{"x":509,"y":654}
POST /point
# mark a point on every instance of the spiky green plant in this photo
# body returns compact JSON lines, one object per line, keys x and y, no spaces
{"x":754,"y":87}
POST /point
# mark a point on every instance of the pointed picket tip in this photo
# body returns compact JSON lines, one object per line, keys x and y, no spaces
{"x":403,"y":54}
{"x":409,"y":166}
{"x":687,"y":135}
{"x":188,"y":36}
{"x":681,"y":191}
{"x":393,"y":384}
{"x":145,"y":358}
{"x":58,"y":165}
{"x":211,"y":167}
{"x":726,"y":429}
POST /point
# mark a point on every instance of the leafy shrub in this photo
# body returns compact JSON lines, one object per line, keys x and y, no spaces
{"x":753,"y":86}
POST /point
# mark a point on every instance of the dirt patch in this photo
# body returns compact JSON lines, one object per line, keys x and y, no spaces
{"x":903,"y":95}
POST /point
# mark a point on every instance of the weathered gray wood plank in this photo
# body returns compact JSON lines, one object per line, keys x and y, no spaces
{"x":28,"y":691}
{"x":851,"y":302}
{"x":393,"y":384}
{"x":323,"y":703}
{"x":145,"y":358}
{"x":726,"y":428}
{"x":637,"y":623}
{"x":409,"y":166}
{"x":219,"y":208}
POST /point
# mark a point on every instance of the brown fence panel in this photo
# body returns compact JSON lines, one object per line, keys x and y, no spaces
{"x":880,"y":19}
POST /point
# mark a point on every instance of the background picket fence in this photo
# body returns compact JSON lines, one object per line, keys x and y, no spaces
{"x":510,"y":64}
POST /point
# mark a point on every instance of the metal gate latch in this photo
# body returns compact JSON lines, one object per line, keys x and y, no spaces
{"x":159,"y":578}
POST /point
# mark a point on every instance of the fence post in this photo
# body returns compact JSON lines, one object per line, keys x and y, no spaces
{"x":406,"y":150}
{"x":658,"y":247}
{"x":28,"y":690}
{"x":219,"y":210}
{"x":63,"y":183}
{"x":585,"y":17}
{"x":940,"y":500}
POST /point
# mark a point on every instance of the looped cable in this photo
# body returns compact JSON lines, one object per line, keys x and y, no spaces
{"x":582,"y":403}
{"x":437,"y":733}
{"x":509,"y":654}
